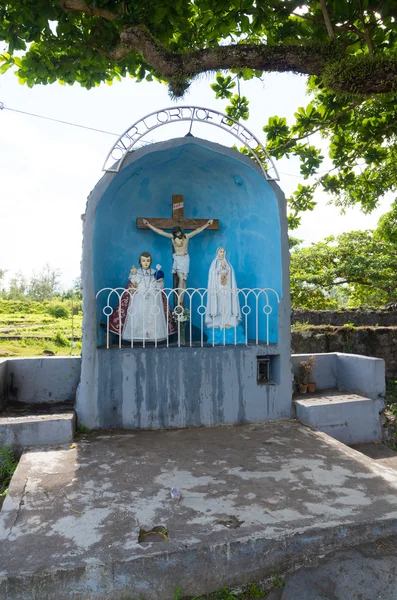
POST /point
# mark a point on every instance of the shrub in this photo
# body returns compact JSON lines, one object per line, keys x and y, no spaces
{"x":58,"y":310}
{"x":8,"y":464}
{"x":60,"y":339}
{"x":77,"y":307}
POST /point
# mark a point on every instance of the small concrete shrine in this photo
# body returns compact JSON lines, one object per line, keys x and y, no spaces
{"x":185,"y":283}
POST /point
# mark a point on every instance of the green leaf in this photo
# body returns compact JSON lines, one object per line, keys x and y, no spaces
{"x":245,"y":24}
{"x":4,"y":68}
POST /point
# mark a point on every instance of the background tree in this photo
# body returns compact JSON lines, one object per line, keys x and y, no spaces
{"x":17,"y":288}
{"x":76,"y":291}
{"x":387,"y":226}
{"x":45,"y":285}
{"x":348,"y":50}
{"x":358,"y":268}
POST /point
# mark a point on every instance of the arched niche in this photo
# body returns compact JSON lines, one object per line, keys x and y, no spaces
{"x":216,"y":185}
{"x":216,"y":182}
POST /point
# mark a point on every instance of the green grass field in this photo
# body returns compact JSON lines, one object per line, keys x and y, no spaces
{"x":29,"y":328}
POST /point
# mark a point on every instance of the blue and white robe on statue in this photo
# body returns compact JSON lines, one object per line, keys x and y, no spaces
{"x":223,"y":305}
{"x":145,"y":318}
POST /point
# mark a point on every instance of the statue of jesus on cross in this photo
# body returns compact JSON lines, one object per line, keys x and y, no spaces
{"x":180,"y":239}
{"x":180,"y":243}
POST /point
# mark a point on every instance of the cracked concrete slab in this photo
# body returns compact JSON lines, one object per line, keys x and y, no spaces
{"x":69,"y":527}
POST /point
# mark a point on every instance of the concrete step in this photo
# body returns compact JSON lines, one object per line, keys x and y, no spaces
{"x":19,"y":431}
{"x":349,"y":418}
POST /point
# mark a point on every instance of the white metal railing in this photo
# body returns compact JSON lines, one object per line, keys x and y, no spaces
{"x":243,"y":315}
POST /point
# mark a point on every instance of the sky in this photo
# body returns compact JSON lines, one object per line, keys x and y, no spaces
{"x":48,"y":169}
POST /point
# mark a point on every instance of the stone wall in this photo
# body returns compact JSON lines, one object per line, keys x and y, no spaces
{"x":379,"y":342}
{"x":357,"y":317}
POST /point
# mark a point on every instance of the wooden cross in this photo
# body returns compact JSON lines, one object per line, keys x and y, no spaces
{"x":178,"y":218}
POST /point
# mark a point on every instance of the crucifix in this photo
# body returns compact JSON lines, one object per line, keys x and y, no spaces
{"x":180,"y":240}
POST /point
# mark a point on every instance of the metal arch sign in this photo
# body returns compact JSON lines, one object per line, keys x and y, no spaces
{"x":177,"y":114}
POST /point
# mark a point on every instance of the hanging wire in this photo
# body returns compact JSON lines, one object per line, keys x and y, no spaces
{"x":291,"y":175}
{"x":22,"y":112}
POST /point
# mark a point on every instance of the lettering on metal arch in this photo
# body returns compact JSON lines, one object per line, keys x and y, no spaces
{"x":141,"y":128}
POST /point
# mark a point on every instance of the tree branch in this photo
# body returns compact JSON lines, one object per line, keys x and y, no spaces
{"x":348,"y":281}
{"x":262,"y":57}
{"x":305,"y":59}
{"x":327,"y":20}
{"x":165,"y":62}
{"x":180,"y":67}
{"x":340,"y":26}
{"x":334,"y":283}
{"x":82,"y":7}
{"x":117,"y":53}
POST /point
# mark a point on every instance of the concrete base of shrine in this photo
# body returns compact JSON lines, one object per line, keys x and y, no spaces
{"x":159,"y":388}
{"x":79,"y":520}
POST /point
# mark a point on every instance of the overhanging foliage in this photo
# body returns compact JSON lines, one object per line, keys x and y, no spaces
{"x":349,"y":50}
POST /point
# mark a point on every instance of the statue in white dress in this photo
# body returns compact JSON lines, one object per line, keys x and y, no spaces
{"x":143,"y":308}
{"x":223,"y":306}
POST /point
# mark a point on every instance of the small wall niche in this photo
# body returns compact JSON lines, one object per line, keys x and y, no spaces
{"x":267,"y":368}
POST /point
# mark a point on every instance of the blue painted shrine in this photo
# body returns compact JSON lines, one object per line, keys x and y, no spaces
{"x":215,"y":185}
{"x":185,"y":386}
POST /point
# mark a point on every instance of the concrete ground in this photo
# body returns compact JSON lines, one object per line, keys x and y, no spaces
{"x":366,"y":572}
{"x":79,"y":521}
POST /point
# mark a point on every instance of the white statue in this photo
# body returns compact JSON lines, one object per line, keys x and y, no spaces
{"x":142,"y":314}
{"x":180,"y":244}
{"x":223,"y":306}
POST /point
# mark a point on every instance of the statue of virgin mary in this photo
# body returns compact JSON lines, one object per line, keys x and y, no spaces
{"x":223,"y":306}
